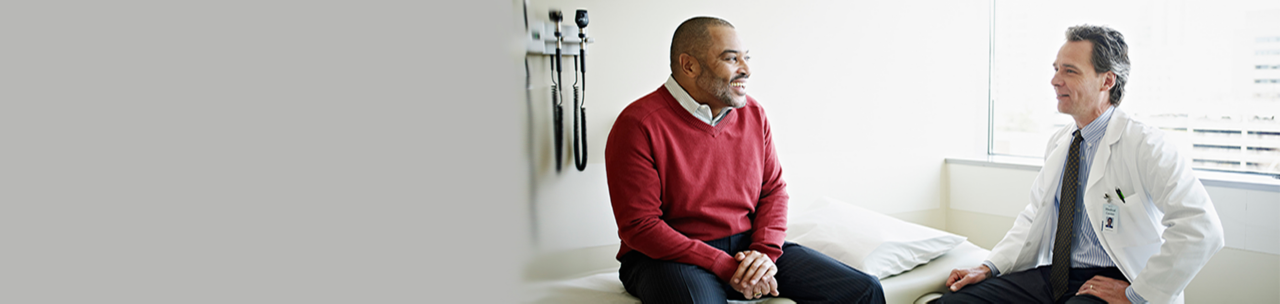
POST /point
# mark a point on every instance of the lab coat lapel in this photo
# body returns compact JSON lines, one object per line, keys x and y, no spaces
{"x":1053,"y":169}
{"x":1115,"y":128}
{"x":1098,"y":168}
{"x":1035,"y":252}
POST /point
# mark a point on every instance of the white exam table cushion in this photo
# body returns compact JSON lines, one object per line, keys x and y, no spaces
{"x":904,"y":288}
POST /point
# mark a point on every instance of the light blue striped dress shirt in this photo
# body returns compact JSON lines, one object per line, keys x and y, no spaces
{"x":1086,"y":250}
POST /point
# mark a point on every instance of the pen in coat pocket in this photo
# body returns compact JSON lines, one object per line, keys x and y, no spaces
{"x":1121,"y":195}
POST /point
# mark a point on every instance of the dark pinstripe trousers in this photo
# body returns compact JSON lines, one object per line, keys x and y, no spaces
{"x":804,"y":275}
{"x":1029,"y":286}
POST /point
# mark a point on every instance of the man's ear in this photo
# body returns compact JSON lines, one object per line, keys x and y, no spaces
{"x":689,"y":65}
{"x":1108,"y":81}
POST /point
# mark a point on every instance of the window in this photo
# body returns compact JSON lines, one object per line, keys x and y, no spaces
{"x":1205,"y":72}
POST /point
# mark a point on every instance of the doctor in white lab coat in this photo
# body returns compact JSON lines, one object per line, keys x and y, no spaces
{"x":1144,"y":213}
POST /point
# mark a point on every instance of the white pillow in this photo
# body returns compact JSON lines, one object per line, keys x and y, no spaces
{"x":871,"y":242}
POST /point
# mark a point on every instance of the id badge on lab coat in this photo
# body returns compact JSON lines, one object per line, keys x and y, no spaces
{"x":1112,"y":221}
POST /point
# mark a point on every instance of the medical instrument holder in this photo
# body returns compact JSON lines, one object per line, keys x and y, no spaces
{"x":550,"y":38}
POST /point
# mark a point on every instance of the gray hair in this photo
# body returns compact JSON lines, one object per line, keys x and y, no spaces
{"x":1110,"y":54}
{"x":693,"y":37}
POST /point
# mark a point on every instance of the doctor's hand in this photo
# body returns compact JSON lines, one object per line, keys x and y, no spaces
{"x":1110,"y":290}
{"x":753,"y":267}
{"x":961,"y":277}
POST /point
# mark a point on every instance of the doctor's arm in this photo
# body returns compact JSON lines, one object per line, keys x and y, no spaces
{"x":1193,"y":232}
{"x":1002,"y":253}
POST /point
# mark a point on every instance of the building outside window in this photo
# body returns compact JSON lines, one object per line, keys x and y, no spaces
{"x":1206,"y":72}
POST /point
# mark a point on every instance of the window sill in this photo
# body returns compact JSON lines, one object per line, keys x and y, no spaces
{"x":1208,"y":178}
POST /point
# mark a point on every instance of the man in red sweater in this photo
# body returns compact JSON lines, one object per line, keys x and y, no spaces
{"x":697,"y":189}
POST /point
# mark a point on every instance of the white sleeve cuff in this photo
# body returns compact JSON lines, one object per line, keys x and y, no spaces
{"x":1133,"y":296}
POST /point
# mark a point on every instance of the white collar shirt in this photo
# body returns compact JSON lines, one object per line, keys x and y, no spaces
{"x":701,"y":111}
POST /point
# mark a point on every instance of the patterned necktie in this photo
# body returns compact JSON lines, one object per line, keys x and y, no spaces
{"x":1066,"y":218}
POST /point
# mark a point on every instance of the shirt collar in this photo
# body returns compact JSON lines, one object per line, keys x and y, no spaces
{"x":1093,"y":132}
{"x":701,"y":111}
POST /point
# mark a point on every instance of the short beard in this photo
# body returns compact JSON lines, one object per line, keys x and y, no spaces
{"x":719,"y":88}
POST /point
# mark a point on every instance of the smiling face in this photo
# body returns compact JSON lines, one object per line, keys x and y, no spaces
{"x":1082,"y":92}
{"x":720,"y":79}
{"x":724,"y":70}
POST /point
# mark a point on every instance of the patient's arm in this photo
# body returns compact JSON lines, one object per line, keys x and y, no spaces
{"x":770,"y":220}
{"x":635,"y":194}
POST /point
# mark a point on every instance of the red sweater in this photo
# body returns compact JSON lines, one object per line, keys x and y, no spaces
{"x":676,"y":181}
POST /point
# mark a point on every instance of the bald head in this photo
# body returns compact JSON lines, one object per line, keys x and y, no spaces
{"x":693,"y":37}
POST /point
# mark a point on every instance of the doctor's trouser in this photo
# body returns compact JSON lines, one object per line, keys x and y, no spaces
{"x":1031,"y":286}
{"x":804,"y":275}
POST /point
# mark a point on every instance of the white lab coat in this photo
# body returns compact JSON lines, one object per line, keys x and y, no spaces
{"x":1165,"y":231}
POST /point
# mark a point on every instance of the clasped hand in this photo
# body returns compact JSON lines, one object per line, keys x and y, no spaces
{"x":754,"y":277}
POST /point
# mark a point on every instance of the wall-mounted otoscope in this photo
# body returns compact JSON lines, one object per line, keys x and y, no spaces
{"x":556,"y":99}
{"x":579,"y":109}
{"x":542,"y":42}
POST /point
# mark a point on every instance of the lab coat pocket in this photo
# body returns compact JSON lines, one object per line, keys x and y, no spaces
{"x":1122,"y":195}
{"x":1114,"y":208}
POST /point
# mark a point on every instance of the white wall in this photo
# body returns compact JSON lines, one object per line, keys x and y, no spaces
{"x":865,"y":99}
{"x":986,"y":199}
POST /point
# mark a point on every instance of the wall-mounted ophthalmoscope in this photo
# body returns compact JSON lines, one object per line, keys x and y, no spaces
{"x":579,"y":109}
